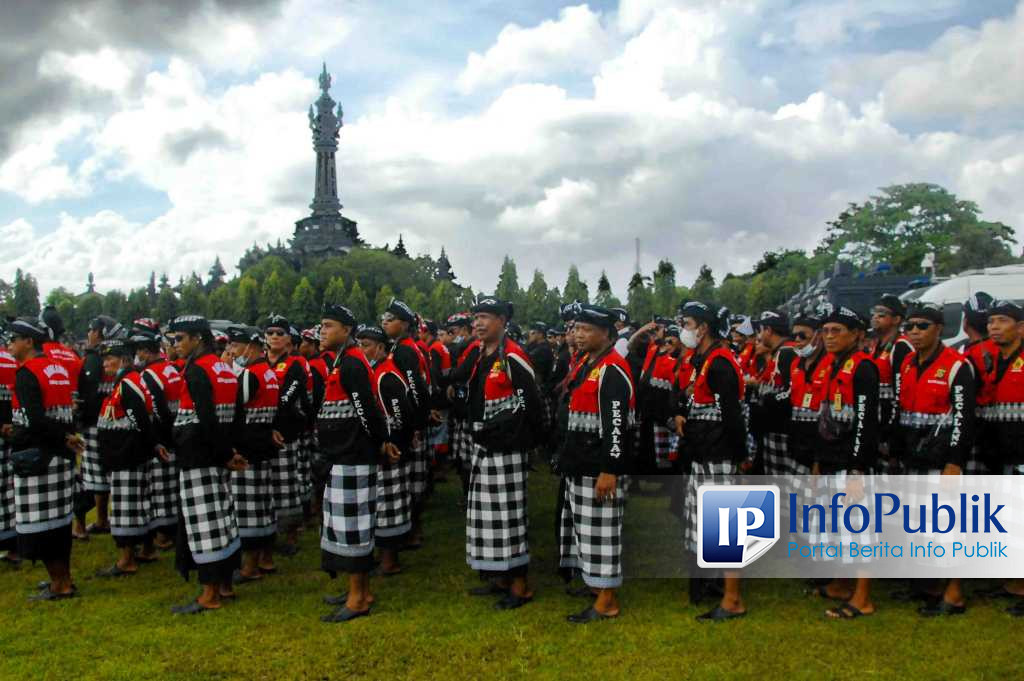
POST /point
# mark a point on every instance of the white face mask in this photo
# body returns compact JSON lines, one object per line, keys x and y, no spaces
{"x":240,"y":363}
{"x":805,"y":351}
{"x":688,"y":337}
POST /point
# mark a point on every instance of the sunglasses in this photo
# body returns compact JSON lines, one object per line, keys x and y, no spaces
{"x":177,"y":339}
{"x":923,"y":326}
{"x":802,"y":336}
{"x":276,"y":332}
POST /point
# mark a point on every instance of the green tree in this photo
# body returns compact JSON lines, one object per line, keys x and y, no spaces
{"x":26,"y":294}
{"x":166,"y":305}
{"x":383,"y":297}
{"x":193,"y":299}
{"x":221,"y":303}
{"x":443,"y":301}
{"x":575,"y":289}
{"x":733,"y":294}
{"x":272,"y":295}
{"x":508,"y":283}
{"x":641,"y":299}
{"x":116,"y":305}
{"x":535,"y":302}
{"x":359,"y":303}
{"x":399,"y":249}
{"x":88,"y":307}
{"x":665,"y":301}
{"x":247,"y":301}
{"x":137,"y":305}
{"x":216,"y":274}
{"x":905,"y":222}
{"x":704,"y":287}
{"x":604,"y":291}
{"x":335,"y":291}
{"x":304,"y":309}
{"x":415,"y":299}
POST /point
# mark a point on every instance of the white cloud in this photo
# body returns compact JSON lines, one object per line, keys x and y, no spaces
{"x":576,"y":41}
{"x":36,"y":172}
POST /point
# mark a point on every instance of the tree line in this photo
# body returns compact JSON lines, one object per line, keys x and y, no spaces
{"x":899,"y":226}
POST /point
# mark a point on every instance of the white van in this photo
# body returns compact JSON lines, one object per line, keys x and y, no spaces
{"x":1002,"y":283}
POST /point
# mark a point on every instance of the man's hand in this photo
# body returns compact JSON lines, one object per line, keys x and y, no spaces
{"x":391,"y":451}
{"x":75,"y":443}
{"x":6,"y":430}
{"x":162,"y":452}
{"x":435,"y":416}
{"x":604,"y":488}
{"x":237,"y":462}
{"x":951,"y":469}
{"x":278,"y":439}
{"x":680,"y":422}
{"x":450,"y":393}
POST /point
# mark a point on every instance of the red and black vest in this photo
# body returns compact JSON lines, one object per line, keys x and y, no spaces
{"x":924,"y":397}
{"x":703,"y":406}
{"x":66,"y":356}
{"x":112,"y":412}
{"x":685,"y":370}
{"x":446,"y":357}
{"x":983,"y":355}
{"x":225,"y":390}
{"x":1007,"y":404}
{"x":420,"y":357}
{"x":745,"y":358}
{"x":56,"y":386}
{"x":808,"y":390}
{"x":169,"y":379}
{"x":839,"y":395}
{"x":882,"y":357}
{"x":8,"y":368}
{"x":337,"y":406}
{"x":499,"y":392}
{"x":392,"y":412}
{"x":584,"y":401}
{"x":658,"y":368}
{"x":261,"y":406}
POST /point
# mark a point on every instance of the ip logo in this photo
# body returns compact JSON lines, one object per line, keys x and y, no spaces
{"x":736,"y":524}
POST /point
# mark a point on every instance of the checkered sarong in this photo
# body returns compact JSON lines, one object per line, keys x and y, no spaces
{"x":394,"y":501}
{"x":665,"y":443}
{"x":93,"y":474}
{"x":830,"y":484}
{"x":162,"y":481}
{"x":590,"y":533}
{"x":6,"y":494}
{"x":208,"y":510}
{"x":130,"y":508}
{"x":350,"y":511}
{"x":462,"y":441}
{"x":777,"y":459}
{"x":45,"y":502}
{"x":284,"y":477}
{"x":254,"y":501}
{"x":702,"y":473}
{"x":496,"y":518}
{"x":419,"y":471}
{"x":303,"y":465}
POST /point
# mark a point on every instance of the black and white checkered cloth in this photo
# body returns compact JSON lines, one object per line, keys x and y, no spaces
{"x":496,"y":518}
{"x":208,"y":510}
{"x":45,"y":502}
{"x":462,"y":441}
{"x":350,"y":511}
{"x":829,"y":485}
{"x":419,"y":458}
{"x":6,"y":494}
{"x":130,"y":509}
{"x":394,"y":500}
{"x":284,"y":476}
{"x":254,"y":501}
{"x":304,"y":458}
{"x":665,"y":443}
{"x":94,"y":476}
{"x":590,"y":533}
{"x":162,"y":479}
{"x":702,"y":473}
{"x":777,"y":459}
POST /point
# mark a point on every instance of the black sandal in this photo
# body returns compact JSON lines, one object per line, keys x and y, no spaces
{"x":720,"y":614}
{"x":47,"y":595}
{"x":193,"y":608}
{"x":941,"y":607}
{"x":512,"y":602}
{"x":114,"y":571}
{"x":345,"y":615}
{"x":846,"y":612}
{"x":589,"y":615}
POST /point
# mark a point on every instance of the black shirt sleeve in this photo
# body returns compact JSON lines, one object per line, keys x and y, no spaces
{"x":613,"y":404}
{"x":397,"y":408}
{"x":211,"y":434}
{"x":164,"y":419}
{"x":865,"y":416}
{"x":725,"y":385}
{"x":134,"y":405}
{"x":524,"y":382}
{"x":356,"y":381}
{"x":962,"y":398}
{"x":408,"y":363}
{"x":39,"y":430}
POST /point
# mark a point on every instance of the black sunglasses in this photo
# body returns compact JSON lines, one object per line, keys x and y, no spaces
{"x":923,"y":326}
{"x":276,"y":332}
{"x":802,"y":336}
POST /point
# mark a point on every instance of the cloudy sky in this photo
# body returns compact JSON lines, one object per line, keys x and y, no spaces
{"x":139,"y":136}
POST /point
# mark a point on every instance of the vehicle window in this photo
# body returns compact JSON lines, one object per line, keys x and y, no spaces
{"x":952,"y":316}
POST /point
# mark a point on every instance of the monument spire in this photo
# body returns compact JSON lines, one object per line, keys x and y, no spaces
{"x":325,"y":125}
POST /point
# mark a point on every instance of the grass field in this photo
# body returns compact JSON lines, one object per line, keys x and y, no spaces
{"x":425,"y":626}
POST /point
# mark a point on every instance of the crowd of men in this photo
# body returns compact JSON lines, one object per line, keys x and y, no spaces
{"x":223,"y":444}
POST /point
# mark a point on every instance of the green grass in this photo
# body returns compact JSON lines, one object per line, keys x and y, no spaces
{"x":424,"y":626}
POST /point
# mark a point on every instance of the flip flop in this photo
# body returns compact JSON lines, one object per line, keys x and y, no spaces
{"x":113,"y":571}
{"x":239,"y":578}
{"x":512,"y":602}
{"x":345,"y":615}
{"x":268,"y":571}
{"x":47,"y":595}
{"x":336,"y":600}
{"x":146,"y":561}
{"x":93,"y":528}
{"x":720,"y":614}
{"x":589,"y":615}
{"x":941,"y":607}
{"x":193,"y":608}
{"x":845,"y":611}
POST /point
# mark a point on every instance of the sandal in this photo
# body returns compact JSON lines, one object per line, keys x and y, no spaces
{"x":589,"y":615}
{"x":146,"y":560}
{"x":193,"y":608}
{"x":47,"y":595}
{"x":239,"y":578}
{"x":93,"y":528}
{"x":846,"y":611}
{"x":512,"y":602}
{"x":941,"y":607}
{"x":345,"y":615}
{"x":114,"y":571}
{"x":720,"y":614}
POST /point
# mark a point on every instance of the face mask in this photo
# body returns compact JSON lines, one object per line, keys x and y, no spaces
{"x":688,"y":337}
{"x":805,"y":351}
{"x":240,"y":363}
{"x":138,"y":363}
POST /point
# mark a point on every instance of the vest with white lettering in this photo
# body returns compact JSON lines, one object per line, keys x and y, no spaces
{"x":339,"y":423}
{"x":260,"y":406}
{"x":983,"y":355}
{"x":702,"y":404}
{"x":206,"y":444}
{"x":55,"y":384}
{"x":388,"y":379}
{"x":420,"y":357}
{"x":926,"y":427}
{"x":168,"y":378}
{"x":839,"y":396}
{"x":66,"y":356}
{"x":883,"y":359}
{"x":497,"y":422}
